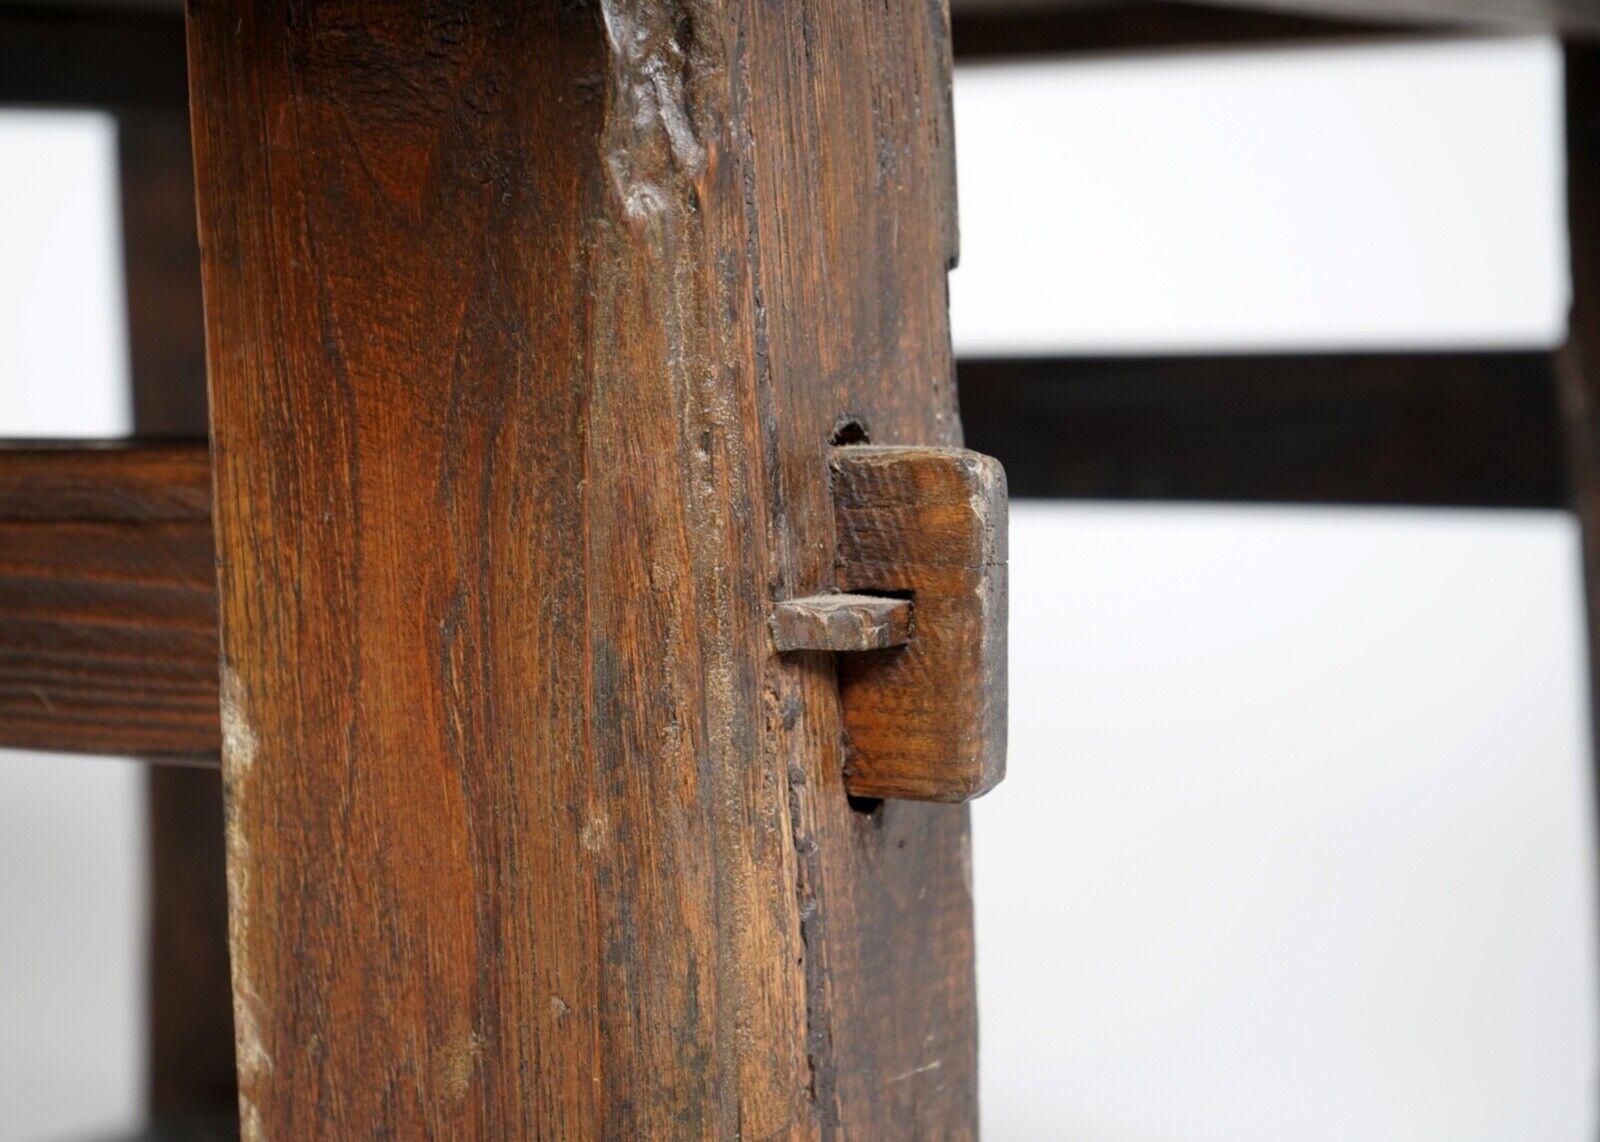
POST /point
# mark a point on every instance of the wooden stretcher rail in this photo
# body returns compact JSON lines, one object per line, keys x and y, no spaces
{"x":96,"y":57}
{"x":108,"y":640}
{"x":60,"y":55}
{"x":108,"y":629}
{"x":990,"y":34}
{"x":1472,"y":430}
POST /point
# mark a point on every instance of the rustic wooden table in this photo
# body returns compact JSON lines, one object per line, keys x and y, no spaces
{"x":558,"y":359}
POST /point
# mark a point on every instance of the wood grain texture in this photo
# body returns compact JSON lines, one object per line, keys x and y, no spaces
{"x":841,"y":623}
{"x":104,"y":482}
{"x":529,"y":327}
{"x":108,"y":638}
{"x":927,"y":720}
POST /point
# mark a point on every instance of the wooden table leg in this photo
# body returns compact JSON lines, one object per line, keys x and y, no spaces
{"x":191,"y":1068}
{"x":529,"y":328}
{"x":1578,"y":362}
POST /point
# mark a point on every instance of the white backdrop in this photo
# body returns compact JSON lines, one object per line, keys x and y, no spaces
{"x":1295,"y":842}
{"x":1398,"y":195}
{"x":72,"y":897}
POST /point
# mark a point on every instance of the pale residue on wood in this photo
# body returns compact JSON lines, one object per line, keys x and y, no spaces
{"x":454,"y":1063}
{"x":239,"y":749}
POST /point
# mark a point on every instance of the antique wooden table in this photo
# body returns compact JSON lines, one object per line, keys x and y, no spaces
{"x":609,"y":623}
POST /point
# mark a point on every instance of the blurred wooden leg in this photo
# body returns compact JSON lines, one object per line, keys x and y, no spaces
{"x":1578,"y":362}
{"x":191,"y":1071}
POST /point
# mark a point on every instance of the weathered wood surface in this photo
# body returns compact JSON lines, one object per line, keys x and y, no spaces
{"x":529,"y":328}
{"x":1429,"y":429}
{"x":108,"y":639}
{"x":926,"y":720}
{"x":843,"y":623}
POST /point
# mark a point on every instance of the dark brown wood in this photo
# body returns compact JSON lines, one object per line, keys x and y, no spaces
{"x":841,"y":623}
{"x":189,"y":1063}
{"x":529,"y":327}
{"x":161,"y":265}
{"x":995,"y":32}
{"x":190,"y":1060}
{"x":92,"y":55}
{"x":926,"y":720}
{"x":121,"y":56}
{"x":1429,"y":429}
{"x":108,"y":636}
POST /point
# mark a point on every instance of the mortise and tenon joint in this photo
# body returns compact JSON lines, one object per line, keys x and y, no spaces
{"x":919,"y":620}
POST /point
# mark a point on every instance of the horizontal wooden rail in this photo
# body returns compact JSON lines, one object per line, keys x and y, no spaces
{"x":1419,"y":429}
{"x":1573,"y":18}
{"x":108,"y":629}
{"x":979,"y":33}
{"x":108,"y":640}
{"x":90,"y":56}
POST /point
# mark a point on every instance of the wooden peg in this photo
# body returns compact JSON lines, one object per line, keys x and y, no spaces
{"x":841,"y":623}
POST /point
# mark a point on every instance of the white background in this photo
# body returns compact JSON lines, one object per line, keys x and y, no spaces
{"x":72,"y":895}
{"x":1296,"y":838}
{"x":1399,"y":195}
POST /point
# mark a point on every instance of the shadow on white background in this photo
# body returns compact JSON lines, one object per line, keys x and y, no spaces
{"x":1295,"y":841}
